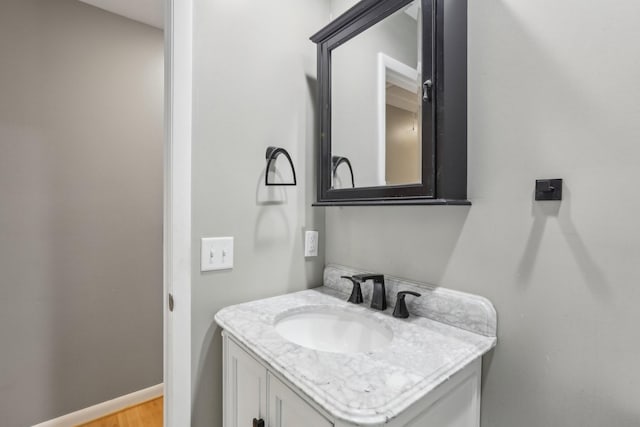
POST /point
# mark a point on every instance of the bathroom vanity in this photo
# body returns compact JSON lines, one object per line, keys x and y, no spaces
{"x":312,"y":359}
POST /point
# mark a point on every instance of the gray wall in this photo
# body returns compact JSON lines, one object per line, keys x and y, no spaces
{"x":553,"y":93}
{"x":254,"y":80}
{"x":80,"y":208}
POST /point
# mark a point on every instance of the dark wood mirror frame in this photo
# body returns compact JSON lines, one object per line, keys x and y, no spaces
{"x":444,"y":116}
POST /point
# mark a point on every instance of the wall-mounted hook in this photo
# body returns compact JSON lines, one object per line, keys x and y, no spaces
{"x":549,"y":189}
{"x":271,"y":155}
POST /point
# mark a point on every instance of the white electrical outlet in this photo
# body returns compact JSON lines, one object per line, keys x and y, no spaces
{"x":310,"y":243}
{"x":216,"y":254}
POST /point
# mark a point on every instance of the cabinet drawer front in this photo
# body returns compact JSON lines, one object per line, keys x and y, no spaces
{"x":287,"y":409}
{"x":245,"y":388}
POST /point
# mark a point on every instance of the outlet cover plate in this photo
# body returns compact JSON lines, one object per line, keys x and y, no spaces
{"x":310,"y":243}
{"x":216,"y":253}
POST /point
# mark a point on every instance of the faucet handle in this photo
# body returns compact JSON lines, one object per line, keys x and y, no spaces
{"x":356,"y":293}
{"x":400,"y":309}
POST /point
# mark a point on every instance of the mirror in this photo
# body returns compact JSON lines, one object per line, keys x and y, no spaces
{"x":376,"y":104}
{"x":392,"y":99}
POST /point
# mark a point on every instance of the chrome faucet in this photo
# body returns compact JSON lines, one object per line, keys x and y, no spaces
{"x":379,"y":299}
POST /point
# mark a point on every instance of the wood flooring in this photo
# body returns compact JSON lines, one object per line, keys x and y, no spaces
{"x":146,"y":414}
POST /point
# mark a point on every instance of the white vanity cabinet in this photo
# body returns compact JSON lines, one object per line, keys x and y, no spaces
{"x":244,"y":387}
{"x":287,"y":409}
{"x":251,"y":391}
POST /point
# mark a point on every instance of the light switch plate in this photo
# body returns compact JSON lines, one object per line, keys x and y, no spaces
{"x":216,"y":253}
{"x":310,"y":243}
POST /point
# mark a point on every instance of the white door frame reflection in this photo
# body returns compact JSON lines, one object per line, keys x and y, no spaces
{"x":393,"y":72}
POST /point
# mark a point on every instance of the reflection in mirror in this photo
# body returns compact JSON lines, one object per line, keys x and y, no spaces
{"x":376,"y":105}
{"x":336,"y":161}
{"x":400,"y":116}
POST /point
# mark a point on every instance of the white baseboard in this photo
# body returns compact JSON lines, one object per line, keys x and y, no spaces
{"x":105,"y":408}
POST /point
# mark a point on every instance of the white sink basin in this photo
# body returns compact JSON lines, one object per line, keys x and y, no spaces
{"x":333,"y":330}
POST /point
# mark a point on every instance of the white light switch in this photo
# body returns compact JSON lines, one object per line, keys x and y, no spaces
{"x":217,"y":253}
{"x":310,"y":243}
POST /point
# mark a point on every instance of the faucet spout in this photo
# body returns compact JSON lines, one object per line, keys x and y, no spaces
{"x":379,"y":298}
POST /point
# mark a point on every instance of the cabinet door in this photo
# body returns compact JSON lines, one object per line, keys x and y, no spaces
{"x":245,"y":387}
{"x":287,"y":409}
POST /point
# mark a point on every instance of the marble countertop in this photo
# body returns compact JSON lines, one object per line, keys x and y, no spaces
{"x":360,"y":388}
